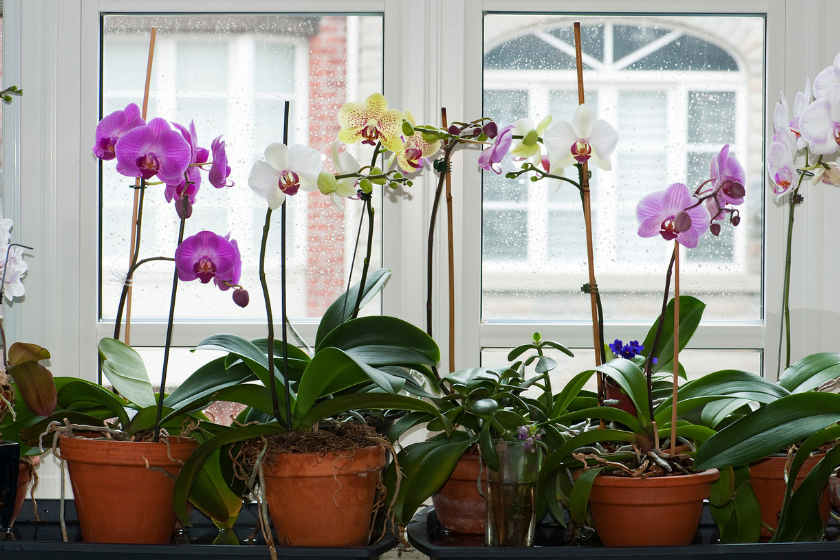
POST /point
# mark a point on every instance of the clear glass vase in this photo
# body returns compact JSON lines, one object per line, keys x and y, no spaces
{"x":511,"y":495}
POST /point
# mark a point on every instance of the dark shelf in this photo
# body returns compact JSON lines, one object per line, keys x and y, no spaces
{"x":31,"y":539}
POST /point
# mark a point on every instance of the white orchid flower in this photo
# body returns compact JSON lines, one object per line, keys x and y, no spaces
{"x":285,"y":171}
{"x":820,"y":123}
{"x":586,"y":138}
{"x":827,"y":78}
{"x":337,"y":189}
{"x":529,"y":146}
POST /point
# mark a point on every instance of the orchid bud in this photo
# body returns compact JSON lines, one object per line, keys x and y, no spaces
{"x":735,"y":220}
{"x":491,"y":129}
{"x":531,"y":138}
{"x":327,"y":182}
{"x":715,"y":229}
{"x":183,"y":207}
{"x":682,"y":221}
{"x":476,"y":131}
{"x":240,"y":297}
{"x":454,"y":130}
{"x":736,"y":190}
{"x":366,"y":185}
{"x":430,"y":137}
{"x":377,"y":171}
{"x":407,"y":128}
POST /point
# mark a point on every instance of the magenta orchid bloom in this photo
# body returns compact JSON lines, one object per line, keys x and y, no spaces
{"x":154,"y":149}
{"x":206,"y":256}
{"x":673,"y":215}
{"x":220,"y":170}
{"x":178,"y":189}
{"x":728,"y":176}
{"x":490,"y":157}
{"x":113,"y":127}
{"x":226,"y":283}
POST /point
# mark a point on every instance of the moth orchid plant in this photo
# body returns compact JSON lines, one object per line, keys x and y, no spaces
{"x":801,"y":144}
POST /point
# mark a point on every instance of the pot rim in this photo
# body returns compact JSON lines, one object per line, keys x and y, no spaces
{"x":329,"y":464}
{"x":705,"y":477}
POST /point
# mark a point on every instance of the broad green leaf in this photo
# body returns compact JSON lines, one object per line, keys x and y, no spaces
{"x":488,"y":449}
{"x":632,"y":381}
{"x":249,"y":394}
{"x":373,"y":401}
{"x":405,"y":423}
{"x":21,"y":352}
{"x":723,"y":489}
{"x":85,"y":391}
{"x":552,"y":502}
{"x":691,"y":311}
{"x":126,"y":371}
{"x":342,"y":308}
{"x":192,"y":468}
{"x":32,"y":433}
{"x":146,"y":418}
{"x":733,"y":383}
{"x":545,"y":364}
{"x":698,"y":434}
{"x":508,"y":419}
{"x":381,"y":331}
{"x":35,"y":386}
{"x":570,"y":392}
{"x":485,"y":406}
{"x":212,"y":496}
{"x":748,"y":513}
{"x":810,"y":372}
{"x":472,"y":378}
{"x":207,"y":379}
{"x":579,"y":500}
{"x":437,"y":425}
{"x":605,"y":412}
{"x":769,"y":429}
{"x":716,"y":412}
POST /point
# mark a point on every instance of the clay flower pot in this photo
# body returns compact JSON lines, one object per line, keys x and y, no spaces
{"x":323,"y":500}
{"x":119,"y":499}
{"x":24,"y":478}
{"x":625,"y":509}
{"x":614,"y":392}
{"x":768,"y":480}
{"x":459,"y":506}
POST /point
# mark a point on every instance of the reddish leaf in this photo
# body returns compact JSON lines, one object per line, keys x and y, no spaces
{"x":35,"y":386}
{"x":21,"y":352}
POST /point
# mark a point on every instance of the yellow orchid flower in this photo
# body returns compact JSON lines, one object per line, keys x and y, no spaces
{"x":529,"y":146}
{"x":370,"y":122}
{"x":417,"y":149}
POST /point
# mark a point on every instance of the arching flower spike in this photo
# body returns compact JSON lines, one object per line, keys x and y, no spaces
{"x":285,"y":171}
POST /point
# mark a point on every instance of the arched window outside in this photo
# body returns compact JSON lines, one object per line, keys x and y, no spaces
{"x":676,"y":90}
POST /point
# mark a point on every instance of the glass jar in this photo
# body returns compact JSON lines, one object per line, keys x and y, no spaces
{"x":511,"y":495}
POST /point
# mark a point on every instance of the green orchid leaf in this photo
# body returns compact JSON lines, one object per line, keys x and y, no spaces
{"x":571,"y":392}
{"x":372,"y":401}
{"x":437,"y":425}
{"x":810,"y":372}
{"x":579,"y":500}
{"x":723,"y":489}
{"x":255,"y":396}
{"x":146,"y":418}
{"x":374,"y":335}
{"x":698,"y":434}
{"x":125,"y":369}
{"x":192,"y":468}
{"x":32,"y":433}
{"x":34,"y":384}
{"x":206,"y":380}
{"x":405,"y":423}
{"x":342,"y":308}
{"x":691,"y":311}
{"x":82,"y":391}
{"x":552,"y":502}
{"x":488,"y":449}
{"x":716,"y":412}
{"x":605,"y":412}
{"x":22,"y":352}
{"x":769,"y":429}
{"x":212,"y":496}
{"x":734,"y":384}
{"x":747,"y":512}
{"x":632,"y":381}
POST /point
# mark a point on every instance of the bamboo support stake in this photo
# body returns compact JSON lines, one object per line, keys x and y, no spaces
{"x":132,"y":249}
{"x":676,"y":345}
{"x":587,"y":216}
{"x":450,"y":242}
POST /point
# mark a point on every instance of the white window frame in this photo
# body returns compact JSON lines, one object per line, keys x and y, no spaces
{"x":52,"y":52}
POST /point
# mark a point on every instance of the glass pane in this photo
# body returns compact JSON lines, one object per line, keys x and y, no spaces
{"x":231,"y":74}
{"x":675,"y":97}
{"x":697,"y":363}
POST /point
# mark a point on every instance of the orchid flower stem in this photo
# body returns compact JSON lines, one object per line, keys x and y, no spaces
{"x":133,"y":266}
{"x":275,"y":403}
{"x":659,"y":325}
{"x":367,"y":203}
{"x":127,"y":283}
{"x":286,"y":387}
{"x":352,"y":263}
{"x":169,"y":325}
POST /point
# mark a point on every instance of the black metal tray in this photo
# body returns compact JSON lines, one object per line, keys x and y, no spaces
{"x":31,"y":539}
{"x":426,"y":535}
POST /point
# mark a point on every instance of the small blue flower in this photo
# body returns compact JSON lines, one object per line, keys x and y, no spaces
{"x":617,"y":347}
{"x":636,"y":347}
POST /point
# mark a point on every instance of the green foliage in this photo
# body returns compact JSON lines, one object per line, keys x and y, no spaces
{"x":126,"y":371}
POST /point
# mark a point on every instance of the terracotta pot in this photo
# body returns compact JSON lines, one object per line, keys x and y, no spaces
{"x":323,"y":500}
{"x":459,"y":506}
{"x":118,"y":499}
{"x":614,"y":392}
{"x":768,"y":480}
{"x":24,"y":478}
{"x":834,"y":490}
{"x":624,"y":509}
